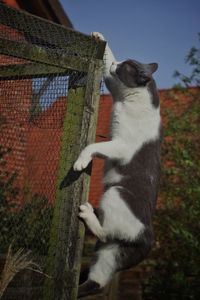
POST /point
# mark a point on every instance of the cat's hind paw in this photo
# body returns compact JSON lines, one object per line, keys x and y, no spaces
{"x":86,"y":210}
{"x":98,"y":36}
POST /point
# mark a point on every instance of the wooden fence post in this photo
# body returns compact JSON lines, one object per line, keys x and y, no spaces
{"x":67,"y":233}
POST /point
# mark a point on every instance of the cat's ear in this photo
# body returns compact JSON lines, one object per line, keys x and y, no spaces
{"x":153,"y":67}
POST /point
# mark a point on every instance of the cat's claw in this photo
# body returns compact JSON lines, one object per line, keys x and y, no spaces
{"x":98,"y":36}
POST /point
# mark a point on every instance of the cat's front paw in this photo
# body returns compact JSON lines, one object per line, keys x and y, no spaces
{"x":98,"y":36}
{"x":82,"y":162}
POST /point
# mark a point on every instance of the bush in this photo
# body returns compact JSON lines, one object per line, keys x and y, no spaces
{"x":26,"y":226}
{"x":176,"y":259}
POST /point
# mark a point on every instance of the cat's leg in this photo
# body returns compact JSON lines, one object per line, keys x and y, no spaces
{"x":111,"y":150}
{"x":133,"y":253}
{"x":109,"y":58}
{"x":102,"y":271}
{"x":91,"y":220}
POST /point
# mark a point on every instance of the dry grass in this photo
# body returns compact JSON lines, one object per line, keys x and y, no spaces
{"x":16,"y":262}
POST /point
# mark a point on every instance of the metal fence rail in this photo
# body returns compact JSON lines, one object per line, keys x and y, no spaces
{"x":49,"y":89}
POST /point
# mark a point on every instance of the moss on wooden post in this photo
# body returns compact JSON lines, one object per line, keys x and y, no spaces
{"x":68,"y":231}
{"x":88,"y":136}
{"x":62,"y":220}
{"x":29,"y":70}
{"x":42,"y":55}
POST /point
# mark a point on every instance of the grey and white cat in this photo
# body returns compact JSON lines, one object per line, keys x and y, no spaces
{"x":123,"y":222}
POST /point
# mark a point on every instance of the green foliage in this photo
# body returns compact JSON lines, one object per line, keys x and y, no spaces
{"x":26,"y":226}
{"x":176,"y":274}
{"x":32,"y":223}
{"x":193,"y":59}
{"x":8,"y":195}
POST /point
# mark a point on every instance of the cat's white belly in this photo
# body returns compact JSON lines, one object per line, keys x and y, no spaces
{"x":119,"y":222}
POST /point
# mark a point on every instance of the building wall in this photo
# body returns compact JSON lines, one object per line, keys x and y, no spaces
{"x":102,"y":134}
{"x":15,"y":101}
{"x":35,"y":148}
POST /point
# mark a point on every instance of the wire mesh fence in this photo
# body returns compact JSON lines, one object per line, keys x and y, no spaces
{"x":49,"y":83}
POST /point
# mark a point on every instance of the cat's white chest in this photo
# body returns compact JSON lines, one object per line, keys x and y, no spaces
{"x":134,"y":122}
{"x":117,"y":119}
{"x":122,"y":126}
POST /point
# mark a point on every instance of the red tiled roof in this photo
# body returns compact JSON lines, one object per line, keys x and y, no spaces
{"x":50,"y":9}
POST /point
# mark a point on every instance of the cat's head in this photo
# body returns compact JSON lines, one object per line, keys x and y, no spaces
{"x":133,"y":73}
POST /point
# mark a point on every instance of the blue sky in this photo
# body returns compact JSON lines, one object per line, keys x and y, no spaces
{"x":146,"y":30}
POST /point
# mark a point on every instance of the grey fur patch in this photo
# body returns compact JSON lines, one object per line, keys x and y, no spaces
{"x":140,"y":180}
{"x":135,"y":74}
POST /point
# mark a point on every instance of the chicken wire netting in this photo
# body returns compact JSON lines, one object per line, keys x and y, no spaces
{"x":40,"y":64}
{"x":31,"y":128}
